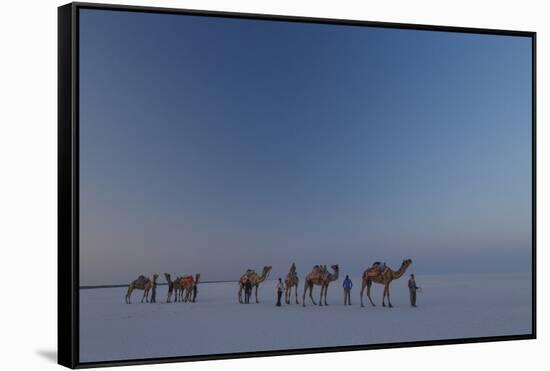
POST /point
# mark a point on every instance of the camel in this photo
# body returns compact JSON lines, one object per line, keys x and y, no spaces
{"x":173,"y":287}
{"x":141,"y":283}
{"x":328,"y":278}
{"x":187,"y":284}
{"x":254,"y":279}
{"x":321,"y":277}
{"x":291,"y":280}
{"x":384,"y":278}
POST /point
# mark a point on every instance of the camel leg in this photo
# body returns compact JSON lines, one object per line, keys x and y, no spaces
{"x":289,"y":295}
{"x":388,"y":295}
{"x":326,"y":291}
{"x":240,"y":295}
{"x":363,"y":284}
{"x":286,"y":295}
{"x":128,"y":297}
{"x":369,"y":284}
{"x":304,"y":297}
{"x":321,"y":296}
{"x":311,"y":294}
{"x":296,"y":292}
{"x":384,"y":297}
{"x":256,"y":294}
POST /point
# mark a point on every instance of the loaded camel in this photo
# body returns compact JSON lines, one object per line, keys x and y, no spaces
{"x":291,"y":280}
{"x":141,"y":283}
{"x":188,"y":286}
{"x":173,"y":287}
{"x":327,"y":279}
{"x":252,"y":277}
{"x":319,"y":276}
{"x":383,"y":277}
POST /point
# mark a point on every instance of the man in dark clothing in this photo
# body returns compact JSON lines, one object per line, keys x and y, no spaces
{"x":154,"y":290}
{"x":247,"y":292}
{"x":412,"y":290}
{"x":280,"y":288}
{"x":347,"y":285}
{"x":194,"y":293}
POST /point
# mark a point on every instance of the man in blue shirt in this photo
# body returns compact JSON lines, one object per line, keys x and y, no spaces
{"x":347,"y":290}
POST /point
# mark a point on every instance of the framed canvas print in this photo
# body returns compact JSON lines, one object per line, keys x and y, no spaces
{"x":237,"y":185}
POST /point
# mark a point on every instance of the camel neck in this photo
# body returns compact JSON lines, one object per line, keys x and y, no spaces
{"x":400,"y":271}
{"x":263,"y":276}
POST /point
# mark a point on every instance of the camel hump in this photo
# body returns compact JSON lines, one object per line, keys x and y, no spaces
{"x":141,"y":279}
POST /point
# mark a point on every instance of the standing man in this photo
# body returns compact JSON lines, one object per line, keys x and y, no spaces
{"x":412,"y":290}
{"x":347,"y":285}
{"x":280,"y":288}
{"x":247,"y":291}
{"x":154,"y":289}
{"x":195,"y":289}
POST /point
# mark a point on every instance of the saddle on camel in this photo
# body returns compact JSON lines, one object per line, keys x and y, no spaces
{"x":316,"y":273}
{"x":246,"y":277}
{"x":186,"y":281}
{"x":142,"y":280}
{"x":377,"y":269}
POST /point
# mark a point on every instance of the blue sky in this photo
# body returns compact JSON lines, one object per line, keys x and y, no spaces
{"x":213,"y":145}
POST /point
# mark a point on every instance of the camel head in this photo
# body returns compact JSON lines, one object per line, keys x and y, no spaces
{"x":334,"y":276}
{"x":266,"y":270}
{"x":407,"y":262}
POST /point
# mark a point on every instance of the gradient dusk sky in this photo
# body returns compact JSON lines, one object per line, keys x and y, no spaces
{"x":214,"y":145}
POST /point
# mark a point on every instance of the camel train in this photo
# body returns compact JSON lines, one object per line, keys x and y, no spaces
{"x":184,"y":288}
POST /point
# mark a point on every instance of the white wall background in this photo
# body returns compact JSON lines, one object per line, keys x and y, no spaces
{"x":28,"y":166}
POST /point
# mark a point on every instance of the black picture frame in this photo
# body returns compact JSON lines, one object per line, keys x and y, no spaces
{"x":68,"y":183}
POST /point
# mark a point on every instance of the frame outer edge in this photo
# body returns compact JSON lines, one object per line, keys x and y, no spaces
{"x":67,"y":349}
{"x":68,"y":183}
